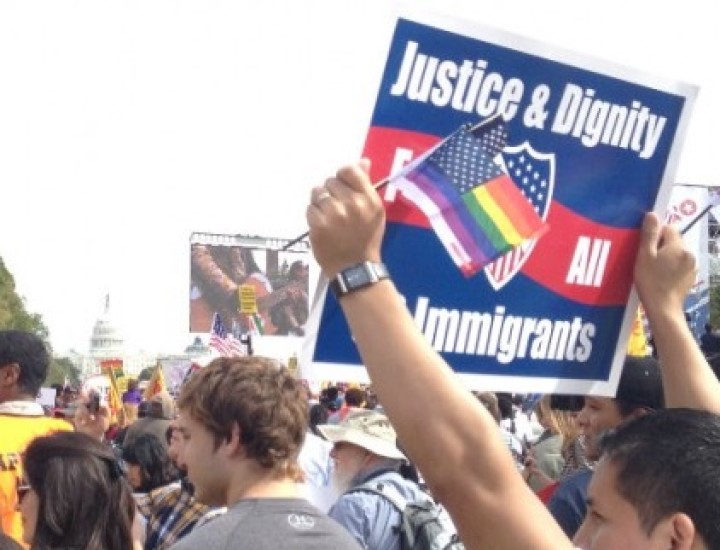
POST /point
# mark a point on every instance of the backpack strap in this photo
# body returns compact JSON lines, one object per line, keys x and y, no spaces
{"x":385,"y":490}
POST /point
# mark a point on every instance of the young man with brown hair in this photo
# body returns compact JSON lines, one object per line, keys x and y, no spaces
{"x":243,"y":421}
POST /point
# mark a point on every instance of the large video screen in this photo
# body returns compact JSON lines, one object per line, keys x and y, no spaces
{"x":251,"y":283}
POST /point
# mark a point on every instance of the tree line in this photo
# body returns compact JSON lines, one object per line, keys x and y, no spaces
{"x":14,"y":315}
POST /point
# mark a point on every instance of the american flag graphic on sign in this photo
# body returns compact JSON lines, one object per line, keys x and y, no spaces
{"x":473,"y":206}
{"x":534,"y":174}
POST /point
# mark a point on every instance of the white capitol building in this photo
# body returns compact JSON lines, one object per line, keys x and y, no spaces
{"x":106,"y":342}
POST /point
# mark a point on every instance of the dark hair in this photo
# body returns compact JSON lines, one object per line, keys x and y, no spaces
{"x":573,"y":403}
{"x":85,"y":500}
{"x":505,"y":405}
{"x":354,"y":397}
{"x":318,"y":415}
{"x":132,"y":384}
{"x":30,"y":353}
{"x":169,"y":433}
{"x":668,"y":462}
{"x":328,"y":398}
{"x":156,"y":468}
{"x":258,"y":395}
{"x":640,"y":386}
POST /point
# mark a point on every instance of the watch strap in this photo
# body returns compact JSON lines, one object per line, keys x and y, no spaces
{"x":358,"y":276}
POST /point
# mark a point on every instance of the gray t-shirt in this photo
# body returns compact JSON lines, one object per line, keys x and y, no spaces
{"x":268,"y":524}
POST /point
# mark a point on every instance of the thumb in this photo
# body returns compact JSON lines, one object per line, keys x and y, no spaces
{"x":650,"y":234}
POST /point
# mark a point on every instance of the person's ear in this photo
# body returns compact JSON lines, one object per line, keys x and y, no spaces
{"x":9,"y":375}
{"x":232,"y":444}
{"x":685,"y":531}
{"x":677,"y":531}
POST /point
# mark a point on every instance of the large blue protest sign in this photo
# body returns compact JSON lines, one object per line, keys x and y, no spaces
{"x":592,"y":146}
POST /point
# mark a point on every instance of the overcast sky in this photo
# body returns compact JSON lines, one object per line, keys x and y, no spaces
{"x":127,"y":125}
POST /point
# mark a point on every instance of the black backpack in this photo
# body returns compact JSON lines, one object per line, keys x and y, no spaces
{"x":424,"y":524}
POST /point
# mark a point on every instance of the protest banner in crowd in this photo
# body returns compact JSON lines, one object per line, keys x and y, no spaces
{"x":592,"y":146}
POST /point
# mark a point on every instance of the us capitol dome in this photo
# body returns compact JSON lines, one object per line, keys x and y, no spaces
{"x":106,"y":341}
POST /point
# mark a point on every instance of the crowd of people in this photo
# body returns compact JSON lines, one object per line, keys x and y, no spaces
{"x":245,"y":458}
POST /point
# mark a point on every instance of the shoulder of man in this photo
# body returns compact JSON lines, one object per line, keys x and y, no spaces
{"x":568,"y":505}
{"x":163,"y":497}
{"x":18,"y":431}
{"x":269,"y":522}
{"x":368,"y":498}
{"x":208,"y":533}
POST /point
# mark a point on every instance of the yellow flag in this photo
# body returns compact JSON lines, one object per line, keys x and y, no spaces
{"x":637,"y":344}
{"x":156,"y":383}
{"x":109,"y":369}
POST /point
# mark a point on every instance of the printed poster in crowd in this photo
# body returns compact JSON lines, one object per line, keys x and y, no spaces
{"x":686,"y":203}
{"x":590,"y":145}
{"x":175,"y":371}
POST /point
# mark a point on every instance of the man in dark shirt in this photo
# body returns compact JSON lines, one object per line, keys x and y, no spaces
{"x":640,"y":391}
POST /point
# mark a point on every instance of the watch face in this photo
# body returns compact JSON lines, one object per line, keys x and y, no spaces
{"x":357,"y":276}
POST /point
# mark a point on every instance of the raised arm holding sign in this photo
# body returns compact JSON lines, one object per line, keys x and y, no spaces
{"x":460,"y":452}
{"x":482,"y":490}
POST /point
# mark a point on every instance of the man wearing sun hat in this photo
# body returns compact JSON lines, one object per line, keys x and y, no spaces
{"x":365,"y":450}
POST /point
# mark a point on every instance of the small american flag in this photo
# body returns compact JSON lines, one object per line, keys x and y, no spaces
{"x":467,"y":159}
{"x":472,"y":204}
{"x":225,"y":343}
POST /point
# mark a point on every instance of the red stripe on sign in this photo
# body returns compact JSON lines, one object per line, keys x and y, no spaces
{"x":575,"y":248}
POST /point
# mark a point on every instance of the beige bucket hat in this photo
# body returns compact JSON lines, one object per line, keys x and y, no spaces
{"x":368,"y":429}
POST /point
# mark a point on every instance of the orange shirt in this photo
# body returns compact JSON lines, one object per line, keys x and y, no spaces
{"x":16,"y":433}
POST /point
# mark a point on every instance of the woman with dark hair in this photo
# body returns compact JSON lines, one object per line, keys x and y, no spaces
{"x":74,"y":495}
{"x":148,"y":463}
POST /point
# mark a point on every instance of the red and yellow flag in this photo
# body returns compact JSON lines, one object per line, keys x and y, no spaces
{"x":156,"y":383}
{"x":111,"y":368}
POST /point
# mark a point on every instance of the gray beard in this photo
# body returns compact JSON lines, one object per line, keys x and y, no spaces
{"x":341,"y":482}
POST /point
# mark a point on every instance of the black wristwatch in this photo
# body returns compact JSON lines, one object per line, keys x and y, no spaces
{"x":357,"y":277}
